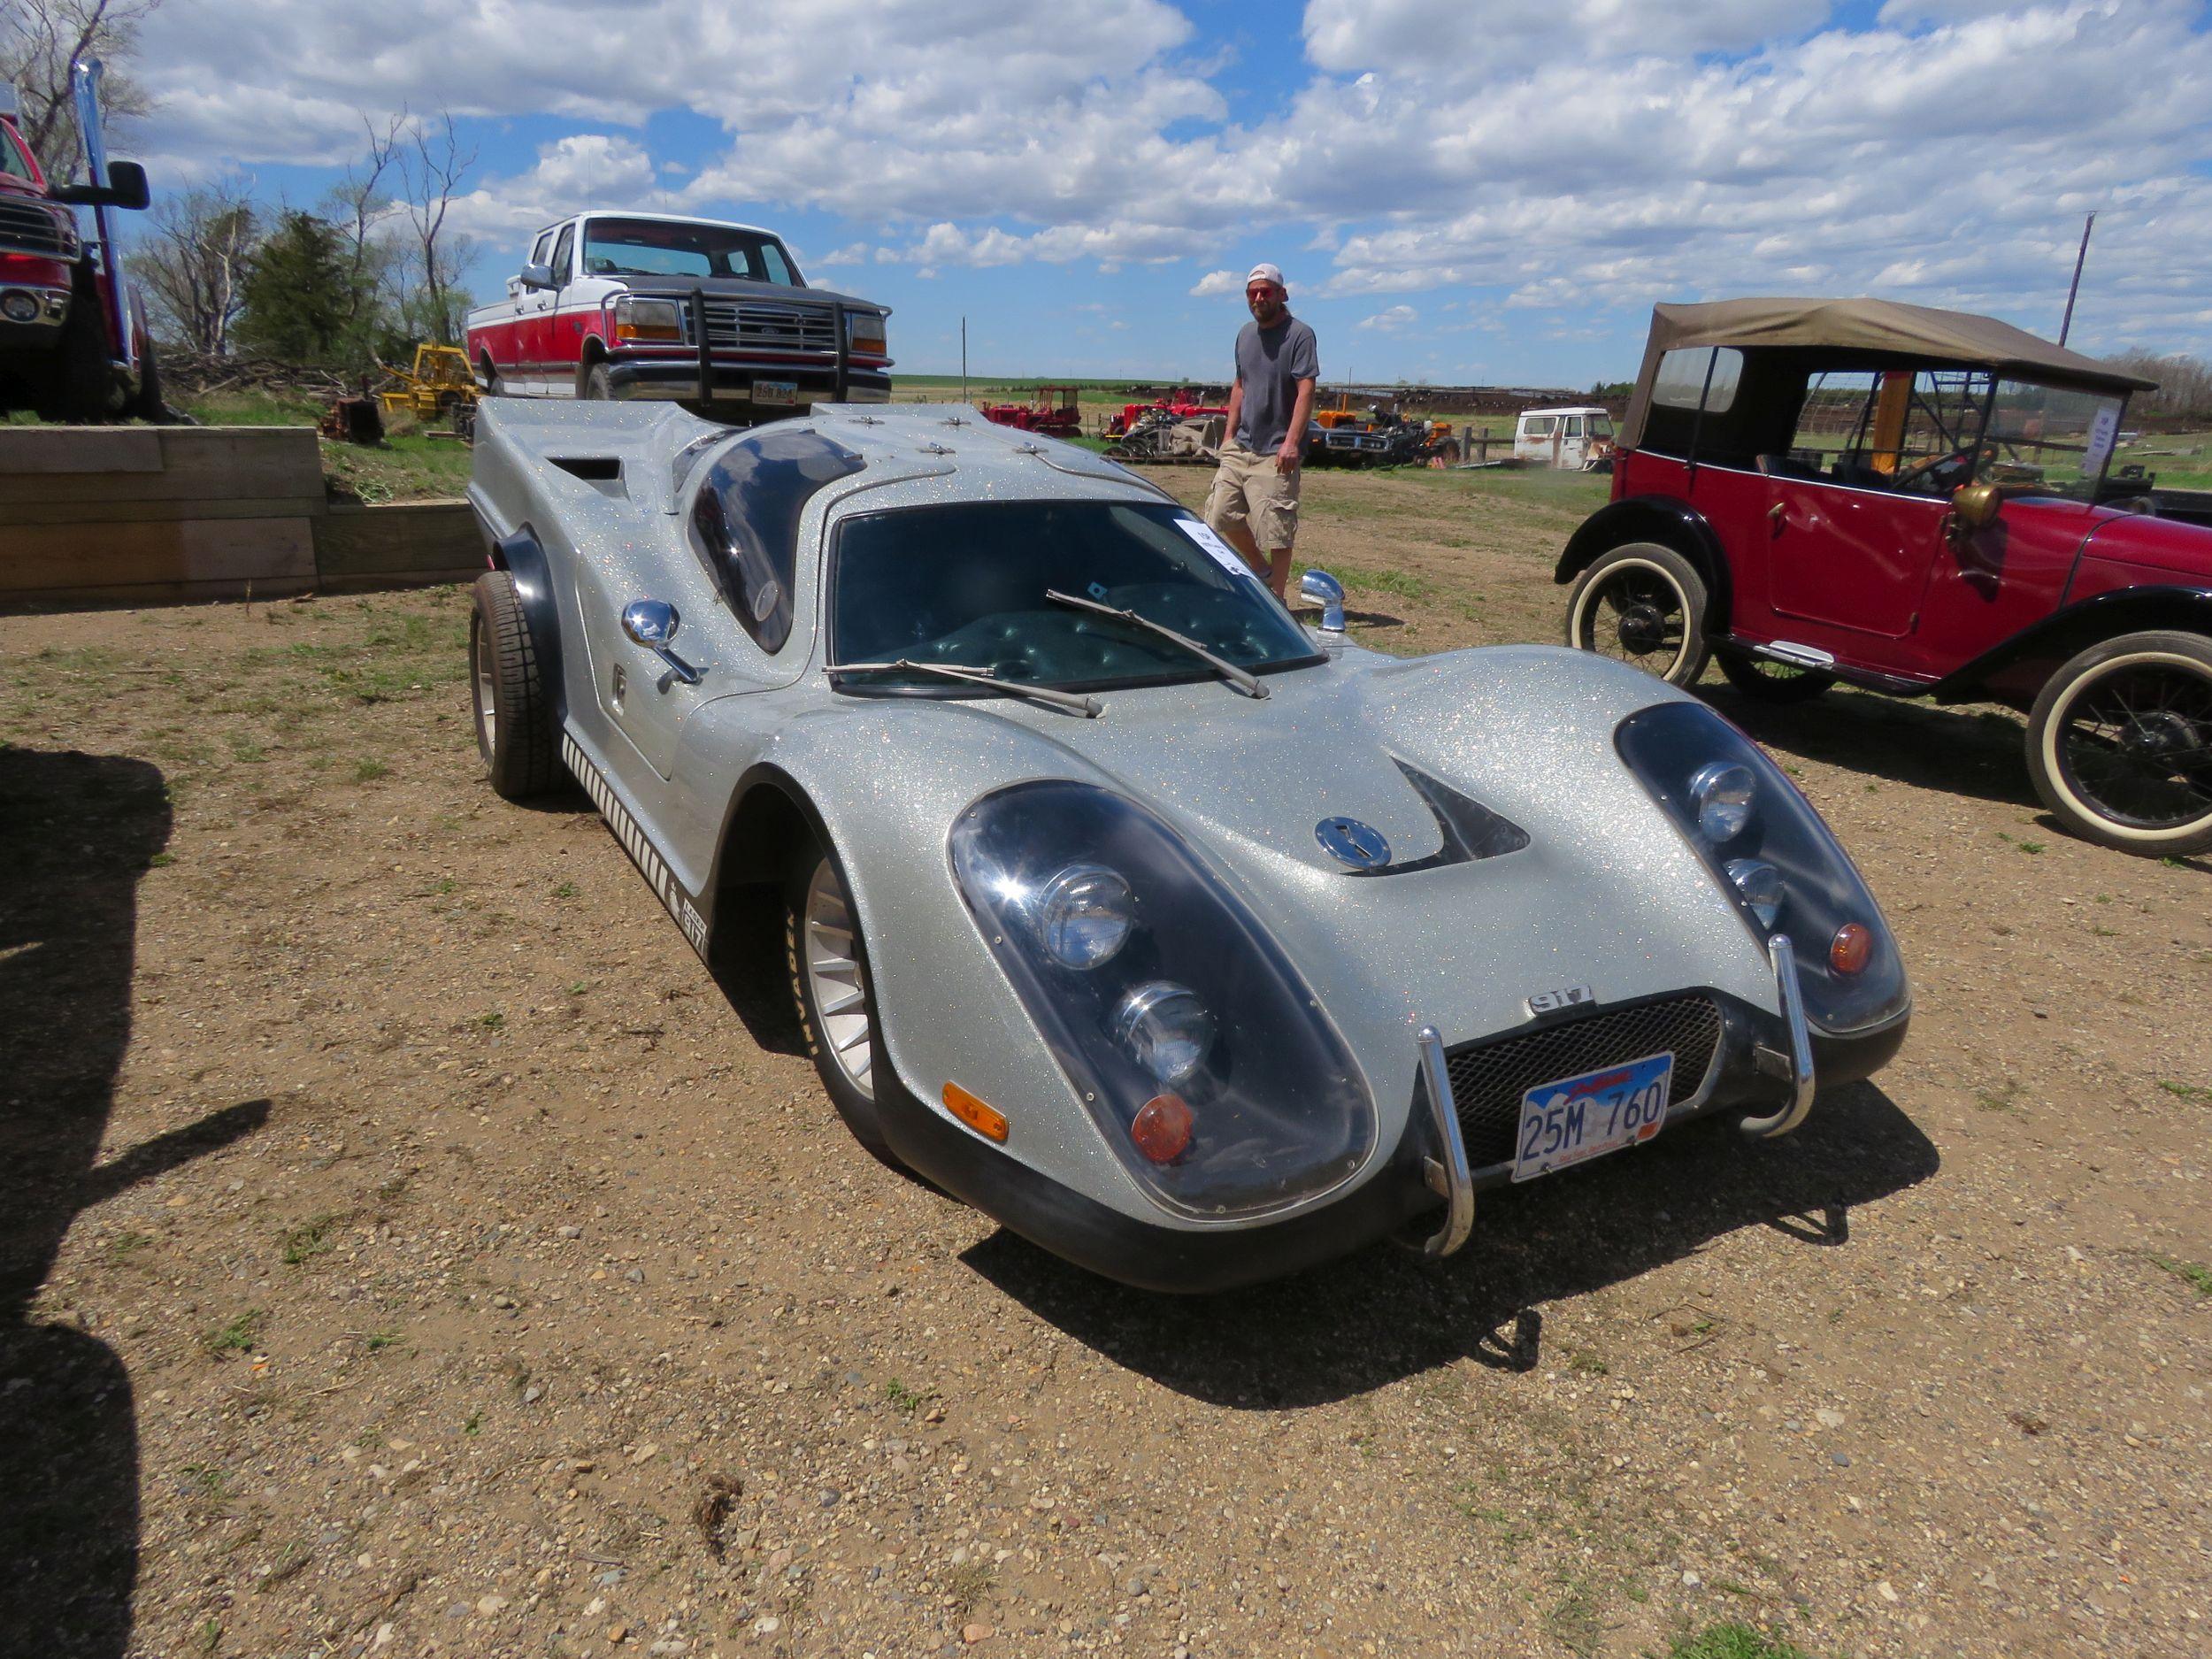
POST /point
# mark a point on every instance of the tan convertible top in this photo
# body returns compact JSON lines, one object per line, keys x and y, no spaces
{"x":1861,"y":325}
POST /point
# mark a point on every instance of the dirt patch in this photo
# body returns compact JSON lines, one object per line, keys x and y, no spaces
{"x":407,"y":1250}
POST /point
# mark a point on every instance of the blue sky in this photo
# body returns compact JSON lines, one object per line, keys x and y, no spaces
{"x":1459,"y":191}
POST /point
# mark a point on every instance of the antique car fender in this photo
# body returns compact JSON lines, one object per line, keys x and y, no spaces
{"x":2080,"y":626}
{"x":522,"y":556}
{"x":1659,"y":519}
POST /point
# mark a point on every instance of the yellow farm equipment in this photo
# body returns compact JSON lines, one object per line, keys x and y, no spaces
{"x":441,"y":385}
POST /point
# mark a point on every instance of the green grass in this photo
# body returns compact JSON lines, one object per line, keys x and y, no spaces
{"x":2195,"y":1093}
{"x":377,"y":1342}
{"x":310,"y":1238}
{"x":905,"y":1399}
{"x":1732,"y":1640}
{"x":237,"y":1336}
{"x":2191,"y":1273}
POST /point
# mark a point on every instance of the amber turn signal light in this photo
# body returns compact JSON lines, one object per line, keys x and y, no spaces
{"x":1852,"y":948}
{"x":980,"y":1115}
{"x":1162,"y":1128}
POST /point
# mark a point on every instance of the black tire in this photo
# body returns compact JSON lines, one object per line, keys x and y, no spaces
{"x":2120,"y":744}
{"x":514,"y":714}
{"x":598,"y":387}
{"x":146,"y":402}
{"x":814,"y":893}
{"x":1643,"y":605}
{"x":81,"y":389}
{"x":1766,"y":681}
{"x":488,"y":378}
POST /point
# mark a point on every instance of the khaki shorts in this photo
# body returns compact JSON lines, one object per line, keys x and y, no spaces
{"x":1250,"y":494}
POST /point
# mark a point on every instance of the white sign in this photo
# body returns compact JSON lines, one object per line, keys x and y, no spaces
{"x":1223,"y":554}
{"x":2102,"y":431}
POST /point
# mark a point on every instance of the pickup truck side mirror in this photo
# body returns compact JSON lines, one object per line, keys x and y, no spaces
{"x":537,"y":276}
{"x":126,"y":188}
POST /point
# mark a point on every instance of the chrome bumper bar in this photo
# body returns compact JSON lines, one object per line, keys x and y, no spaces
{"x":1783,"y":956}
{"x":1448,"y":1178}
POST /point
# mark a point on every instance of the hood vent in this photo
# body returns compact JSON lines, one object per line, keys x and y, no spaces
{"x":1470,"y":830}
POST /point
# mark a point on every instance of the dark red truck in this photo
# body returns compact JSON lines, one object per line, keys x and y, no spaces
{"x":1919,"y":502}
{"x":74,"y":343}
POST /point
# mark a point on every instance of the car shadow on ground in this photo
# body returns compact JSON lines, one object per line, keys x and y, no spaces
{"x":77,"y":833}
{"x":1352,"y":1326}
{"x":1949,"y":750}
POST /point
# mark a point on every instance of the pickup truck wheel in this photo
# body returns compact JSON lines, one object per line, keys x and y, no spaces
{"x":598,"y":384}
{"x":828,"y":963}
{"x":514,"y":715}
{"x":82,"y":387}
{"x":1643,"y":605}
{"x":1765,"y":681}
{"x":2120,"y":744}
{"x":488,"y":378}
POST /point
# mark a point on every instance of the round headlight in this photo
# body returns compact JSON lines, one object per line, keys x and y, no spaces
{"x":1761,"y":884}
{"x":1166,"y":1030}
{"x":20,"y":305}
{"x":1721,"y":795}
{"x":1084,"y":915}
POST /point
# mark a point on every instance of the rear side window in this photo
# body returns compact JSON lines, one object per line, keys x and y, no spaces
{"x":1574,"y":426}
{"x":1539,"y":426}
{"x":745,"y":521}
{"x":14,"y":162}
{"x":1680,"y":383}
{"x":541,"y":250}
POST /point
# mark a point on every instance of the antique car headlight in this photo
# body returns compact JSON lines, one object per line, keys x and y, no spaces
{"x":1203,"y":1056}
{"x":644,"y":319}
{"x":865,"y":332}
{"x":1773,"y":856}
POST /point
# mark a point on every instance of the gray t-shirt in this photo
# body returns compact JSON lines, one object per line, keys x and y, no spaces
{"x":1271,"y":361}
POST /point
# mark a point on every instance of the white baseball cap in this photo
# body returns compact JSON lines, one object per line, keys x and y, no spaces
{"x":1265,"y":273}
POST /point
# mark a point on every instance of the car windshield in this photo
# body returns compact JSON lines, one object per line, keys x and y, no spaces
{"x":653,"y":247}
{"x":967,"y":585}
{"x":2049,"y":438}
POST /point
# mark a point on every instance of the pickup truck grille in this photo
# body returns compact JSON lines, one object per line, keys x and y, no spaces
{"x":768,"y":327}
{"x":34,"y":229}
{"x":1489,"y":1079}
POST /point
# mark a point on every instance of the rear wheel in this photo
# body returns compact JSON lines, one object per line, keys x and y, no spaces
{"x":514,"y":715}
{"x":487,"y":377}
{"x":1643,"y":605}
{"x":2120,"y":744}
{"x":1769,"y":681}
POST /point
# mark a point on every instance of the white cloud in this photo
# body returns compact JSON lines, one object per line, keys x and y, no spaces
{"x":1216,"y":282}
{"x":1391,"y":320}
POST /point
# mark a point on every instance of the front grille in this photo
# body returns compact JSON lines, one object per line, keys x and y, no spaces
{"x":768,"y":327}
{"x":29,"y":228}
{"x":1489,"y":1079}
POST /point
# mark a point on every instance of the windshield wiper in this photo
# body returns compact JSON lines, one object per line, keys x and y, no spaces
{"x":1089,"y":708}
{"x":1243,"y":678}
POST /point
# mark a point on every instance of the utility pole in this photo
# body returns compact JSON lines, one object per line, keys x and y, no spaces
{"x":963,"y":360}
{"x":2065,"y":326}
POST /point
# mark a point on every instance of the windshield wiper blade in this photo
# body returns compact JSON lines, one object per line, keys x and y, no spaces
{"x":1243,"y":678}
{"x":1089,"y":708}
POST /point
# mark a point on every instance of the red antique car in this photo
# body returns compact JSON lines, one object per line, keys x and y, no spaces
{"x":1914,"y":501}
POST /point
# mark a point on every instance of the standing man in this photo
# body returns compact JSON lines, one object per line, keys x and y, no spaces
{"x":1254,"y":505}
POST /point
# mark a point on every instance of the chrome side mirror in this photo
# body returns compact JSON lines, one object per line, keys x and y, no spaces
{"x":652,"y":623}
{"x":1325,"y":591}
{"x":537,"y":276}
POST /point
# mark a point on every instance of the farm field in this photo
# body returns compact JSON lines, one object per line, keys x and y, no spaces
{"x":409,"y":1250}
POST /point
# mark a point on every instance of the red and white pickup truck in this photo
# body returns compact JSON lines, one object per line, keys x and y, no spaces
{"x":650,"y":305}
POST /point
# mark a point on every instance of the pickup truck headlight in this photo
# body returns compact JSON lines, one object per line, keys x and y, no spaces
{"x":648,"y":321}
{"x":1773,"y":857}
{"x":1200,"y":1054}
{"x":865,"y":332}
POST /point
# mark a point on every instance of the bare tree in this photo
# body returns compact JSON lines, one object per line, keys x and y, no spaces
{"x":361,"y":207}
{"x":432,"y":175}
{"x":39,"y":40}
{"x":192,"y":262}
{"x":2184,"y":384}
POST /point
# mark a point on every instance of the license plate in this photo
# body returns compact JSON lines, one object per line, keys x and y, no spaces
{"x":1581,"y":1117}
{"x":775,"y":391}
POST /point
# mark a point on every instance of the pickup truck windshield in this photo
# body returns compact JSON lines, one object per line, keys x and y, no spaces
{"x":969,"y":586}
{"x":653,"y":247}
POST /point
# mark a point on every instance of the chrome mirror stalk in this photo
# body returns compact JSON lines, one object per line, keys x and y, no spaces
{"x":652,"y":623}
{"x":1325,"y":591}
{"x":1783,"y":954}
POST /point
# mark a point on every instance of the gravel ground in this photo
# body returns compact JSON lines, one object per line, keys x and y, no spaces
{"x":407,"y":1249}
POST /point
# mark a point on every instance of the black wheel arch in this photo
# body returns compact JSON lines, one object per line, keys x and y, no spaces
{"x":1671,"y":524}
{"x":522,"y":556}
{"x":2065,"y":633}
{"x":770,"y":818}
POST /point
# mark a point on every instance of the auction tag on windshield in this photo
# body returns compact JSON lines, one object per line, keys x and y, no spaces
{"x":1223,"y":554}
{"x":2103,"y":430}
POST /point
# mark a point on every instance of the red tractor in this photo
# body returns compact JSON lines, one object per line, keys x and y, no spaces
{"x":73,"y":341}
{"x":1182,"y":403}
{"x":1056,"y":413}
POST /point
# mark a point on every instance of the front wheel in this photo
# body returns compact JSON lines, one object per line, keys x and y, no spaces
{"x":598,"y":384}
{"x":828,"y":962}
{"x":1766,"y":681}
{"x":2120,"y":744}
{"x":1643,"y":605}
